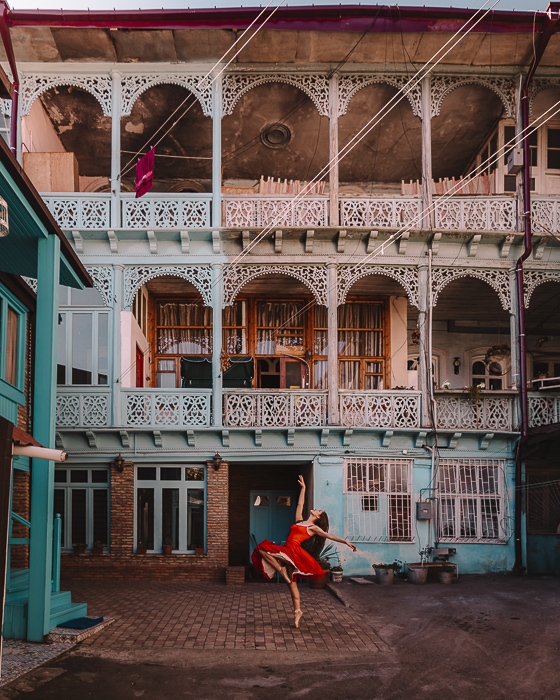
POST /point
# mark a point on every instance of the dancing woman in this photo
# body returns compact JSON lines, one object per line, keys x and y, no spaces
{"x":291,"y":560}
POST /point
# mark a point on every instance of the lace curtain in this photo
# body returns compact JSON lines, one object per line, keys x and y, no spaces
{"x":187,"y":329}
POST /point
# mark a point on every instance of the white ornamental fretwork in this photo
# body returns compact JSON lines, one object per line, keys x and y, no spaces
{"x":380,"y":213}
{"x":315,"y":86}
{"x":30,"y":282}
{"x":102,"y":277}
{"x":538,"y":85}
{"x":349,"y":85}
{"x":348,"y":275}
{"x":34,"y":85}
{"x":533,"y":278}
{"x":132,"y":86}
{"x":313,"y":276}
{"x":199,"y":276}
{"x":545,"y":215}
{"x":442,"y":85}
{"x":497,"y":279}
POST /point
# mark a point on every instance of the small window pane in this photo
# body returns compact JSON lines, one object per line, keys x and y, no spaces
{"x":78,"y":516}
{"x":79,"y":476}
{"x":99,"y":476}
{"x":170,"y":473}
{"x":479,"y":368}
{"x":103,"y":349}
{"x":170,"y":517}
{"x":12,"y":346}
{"x":61,"y":352}
{"x":195,"y":519}
{"x":59,"y":509}
{"x":147,"y":473}
{"x":283,"y":501}
{"x":86,"y":297}
{"x":370,"y":503}
{"x":553,"y":160}
{"x":145,"y":517}
{"x":194,"y":473}
{"x":100,"y":515}
{"x":82,"y":344}
{"x":261,"y":501}
{"x":60,"y":476}
{"x":554,"y":138}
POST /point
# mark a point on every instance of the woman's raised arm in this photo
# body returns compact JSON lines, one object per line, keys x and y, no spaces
{"x":301,"y":500}
{"x":329,"y":536}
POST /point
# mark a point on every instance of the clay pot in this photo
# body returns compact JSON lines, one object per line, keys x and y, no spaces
{"x":320,"y":581}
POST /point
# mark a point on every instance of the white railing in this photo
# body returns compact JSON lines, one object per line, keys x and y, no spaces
{"x":264,"y":408}
{"x":489,"y":412}
{"x":380,"y":409}
{"x":83,"y":407}
{"x":545,"y":214}
{"x":165,"y":211}
{"x":78,"y":210}
{"x":380,"y":212}
{"x":543,"y":410}
{"x":476,"y":213}
{"x":265,"y":210}
{"x":165,"y":408}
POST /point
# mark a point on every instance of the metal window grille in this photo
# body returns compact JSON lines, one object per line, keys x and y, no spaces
{"x":378,"y":499}
{"x":471,"y":504}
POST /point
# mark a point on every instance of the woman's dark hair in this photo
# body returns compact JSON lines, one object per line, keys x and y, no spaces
{"x":315,"y":544}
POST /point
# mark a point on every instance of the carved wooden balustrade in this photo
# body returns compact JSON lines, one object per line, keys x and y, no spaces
{"x":491,"y":410}
{"x":544,"y":409}
{"x":265,"y":408}
{"x":261,"y":211}
{"x":79,"y":210}
{"x":165,"y":408}
{"x":83,"y":407}
{"x":166,"y":211}
{"x":380,"y":409}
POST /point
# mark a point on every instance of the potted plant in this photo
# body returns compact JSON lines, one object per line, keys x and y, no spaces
{"x":79,"y":547}
{"x":417,"y":573}
{"x":328,"y":554}
{"x":98,"y":547}
{"x":446,"y":573}
{"x":167,"y":546}
{"x":199,"y":551}
{"x":336,"y":574}
{"x":385,"y":573}
{"x":141,"y":548}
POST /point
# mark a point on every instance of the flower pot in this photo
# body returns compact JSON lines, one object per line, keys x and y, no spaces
{"x":383,"y":576}
{"x":98,"y":549}
{"x":167,"y":549}
{"x":320,"y":581}
{"x":417,"y":574}
{"x":199,"y":551}
{"x":80,"y":548}
{"x":141,"y":548}
{"x":445,"y":577}
{"x":336,"y":576}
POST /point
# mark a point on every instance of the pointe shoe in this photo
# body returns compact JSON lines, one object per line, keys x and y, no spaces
{"x":297,"y":617}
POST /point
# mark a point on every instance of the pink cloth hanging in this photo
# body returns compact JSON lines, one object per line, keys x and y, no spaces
{"x":145,"y":173}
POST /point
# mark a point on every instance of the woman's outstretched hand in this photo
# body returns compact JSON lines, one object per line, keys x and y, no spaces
{"x":352,"y":546}
{"x":300,"y":481}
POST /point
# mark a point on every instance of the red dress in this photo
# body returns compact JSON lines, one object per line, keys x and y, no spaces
{"x":291,"y":553}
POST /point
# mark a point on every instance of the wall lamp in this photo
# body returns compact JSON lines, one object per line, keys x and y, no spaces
{"x":119,"y":463}
{"x":217,"y":461}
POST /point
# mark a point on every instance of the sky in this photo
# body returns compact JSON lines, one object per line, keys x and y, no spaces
{"x":525,"y":5}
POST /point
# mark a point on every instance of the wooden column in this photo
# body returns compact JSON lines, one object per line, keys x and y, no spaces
{"x":424,"y":372}
{"x":217,"y":153}
{"x":44,"y":416}
{"x":116,"y":150}
{"x":427,"y":210}
{"x":334,"y":217}
{"x":332,"y":336}
{"x":217,"y":383}
{"x":116,"y":344}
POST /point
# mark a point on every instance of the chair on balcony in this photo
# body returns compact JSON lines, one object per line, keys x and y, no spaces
{"x":196,"y":372}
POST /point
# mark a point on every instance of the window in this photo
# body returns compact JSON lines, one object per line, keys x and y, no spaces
{"x":83,"y":339}
{"x":378,"y":499}
{"x":235,"y":328}
{"x":492,"y":375}
{"x":553,"y":149}
{"x":170,"y":508}
{"x":13,"y":317}
{"x":81,"y":496}
{"x":471,"y":500}
{"x":361,"y":346}
{"x":546,"y":370}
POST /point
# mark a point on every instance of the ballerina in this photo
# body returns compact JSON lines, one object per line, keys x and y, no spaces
{"x":291,"y":560}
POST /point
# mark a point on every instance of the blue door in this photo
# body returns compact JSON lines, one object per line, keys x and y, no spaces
{"x":272,"y":513}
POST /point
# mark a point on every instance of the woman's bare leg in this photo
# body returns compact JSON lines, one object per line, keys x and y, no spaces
{"x":294,"y":591}
{"x":276,"y":565}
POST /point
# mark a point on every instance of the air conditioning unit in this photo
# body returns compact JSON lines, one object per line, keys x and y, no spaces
{"x":515,"y":161}
{"x":4,"y":228}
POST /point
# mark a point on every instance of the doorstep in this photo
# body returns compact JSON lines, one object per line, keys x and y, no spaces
{"x":67,"y":635}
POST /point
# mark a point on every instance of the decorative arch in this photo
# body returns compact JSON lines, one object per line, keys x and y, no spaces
{"x":136,"y":276}
{"x":34,"y":85}
{"x":316,"y":87}
{"x":539,"y":85}
{"x":442,"y":85}
{"x":497,"y":279}
{"x":102,"y":276}
{"x":237,"y":276}
{"x":348,"y":275}
{"x":349,"y":85}
{"x":534,"y":278}
{"x":132,"y":86}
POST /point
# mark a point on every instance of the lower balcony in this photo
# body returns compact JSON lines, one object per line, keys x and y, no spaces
{"x":488,"y":410}
{"x":265,"y":408}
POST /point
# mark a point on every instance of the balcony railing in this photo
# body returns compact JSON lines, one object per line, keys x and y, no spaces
{"x":266,"y":408}
{"x":83,"y":407}
{"x":476,"y":213}
{"x":545,"y":214}
{"x":263,"y":210}
{"x":163,"y":408}
{"x":543,"y":410}
{"x":380,"y":212}
{"x":166,"y":211}
{"x":79,"y":210}
{"x":491,"y":411}
{"x":380,"y":409}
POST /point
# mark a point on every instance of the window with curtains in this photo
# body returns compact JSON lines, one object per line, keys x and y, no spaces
{"x":182,"y":328}
{"x":83,"y":338}
{"x":361,"y":345}
{"x":13,"y":317}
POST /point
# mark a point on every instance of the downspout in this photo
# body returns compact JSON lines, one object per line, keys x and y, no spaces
{"x":548,"y":31}
{"x":9,"y":49}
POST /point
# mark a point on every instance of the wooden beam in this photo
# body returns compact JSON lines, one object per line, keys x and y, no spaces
{"x":153,"y":242}
{"x":538,"y":247}
{"x":78,"y":241}
{"x":185,"y":242}
{"x":472,"y":245}
{"x":341,"y":241}
{"x":113,"y":241}
{"x":246,"y":239}
{"x":216,"y":246}
{"x":403,"y":242}
{"x":278,"y":241}
{"x":371,"y":240}
{"x":506,"y":245}
{"x":434,"y":243}
{"x":309,"y":236}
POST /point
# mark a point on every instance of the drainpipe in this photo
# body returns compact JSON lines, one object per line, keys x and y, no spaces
{"x":548,"y":31}
{"x":8,"y":47}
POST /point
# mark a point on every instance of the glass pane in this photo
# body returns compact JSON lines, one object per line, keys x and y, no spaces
{"x":293,"y":375}
{"x":145,"y":517}
{"x":60,"y":476}
{"x":100,"y":476}
{"x":147,"y":474}
{"x":554,"y":138}
{"x":86,"y":297}
{"x":349,"y":375}
{"x":170,"y":473}
{"x":81,"y":349}
{"x":261,"y":501}
{"x":479,"y":368}
{"x":195,"y":519}
{"x":553,"y":160}
{"x":234,"y":341}
{"x":320,"y":374}
{"x":283,"y":501}
{"x":194,"y":473}
{"x":12,"y":346}
{"x":79,"y":476}
{"x":103,"y":349}
{"x":265,"y":343}
{"x":320,"y":343}
{"x":64,"y":293}
{"x":100,"y":515}
{"x":59,"y":509}
{"x":170,"y":517}
{"x":78,"y":534}
{"x":166,"y":380}
{"x":61,"y":352}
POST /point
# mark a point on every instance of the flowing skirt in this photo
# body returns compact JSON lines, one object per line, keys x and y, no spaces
{"x":294,"y":557}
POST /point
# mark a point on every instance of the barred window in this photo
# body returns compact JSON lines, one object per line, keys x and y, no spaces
{"x":471,"y":500}
{"x":378,"y":499}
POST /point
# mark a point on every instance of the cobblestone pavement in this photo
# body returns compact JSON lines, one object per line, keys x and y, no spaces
{"x":214,"y":616}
